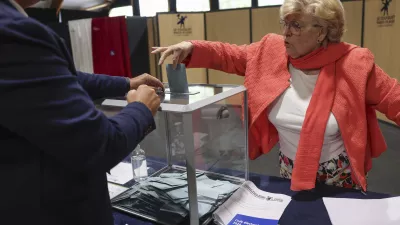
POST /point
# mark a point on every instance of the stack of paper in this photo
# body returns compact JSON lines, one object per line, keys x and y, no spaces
{"x":168,"y":194}
{"x":209,"y":192}
{"x":343,"y":211}
{"x":249,"y":205}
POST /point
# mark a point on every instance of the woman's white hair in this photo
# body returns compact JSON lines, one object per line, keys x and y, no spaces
{"x":329,"y":13}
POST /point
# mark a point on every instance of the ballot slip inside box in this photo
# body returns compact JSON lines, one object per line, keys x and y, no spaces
{"x":166,"y":197}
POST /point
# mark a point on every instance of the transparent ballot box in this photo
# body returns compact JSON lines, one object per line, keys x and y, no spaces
{"x":196,"y":158}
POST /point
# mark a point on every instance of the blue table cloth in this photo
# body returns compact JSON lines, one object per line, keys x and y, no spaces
{"x":306,"y":208}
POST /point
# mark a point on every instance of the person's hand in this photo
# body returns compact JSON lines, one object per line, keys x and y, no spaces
{"x":178,"y":51}
{"x":145,"y":79}
{"x":146,"y":95}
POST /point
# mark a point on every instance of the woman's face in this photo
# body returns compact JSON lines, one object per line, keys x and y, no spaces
{"x":302,"y":34}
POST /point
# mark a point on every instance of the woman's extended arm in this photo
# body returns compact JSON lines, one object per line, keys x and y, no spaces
{"x":383,"y":93}
{"x":229,"y":58}
{"x":225,"y":57}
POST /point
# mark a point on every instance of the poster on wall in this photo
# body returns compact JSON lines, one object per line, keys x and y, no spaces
{"x":229,"y":26}
{"x":178,"y":27}
{"x":381,"y":35}
{"x":182,"y":28}
{"x":387,"y":16}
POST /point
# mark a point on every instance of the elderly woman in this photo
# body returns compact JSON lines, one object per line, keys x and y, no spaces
{"x":310,"y":92}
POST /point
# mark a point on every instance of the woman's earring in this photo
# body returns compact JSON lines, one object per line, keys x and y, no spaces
{"x":318,"y":41}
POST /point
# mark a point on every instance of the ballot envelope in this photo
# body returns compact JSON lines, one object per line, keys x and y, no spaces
{"x":196,"y":158}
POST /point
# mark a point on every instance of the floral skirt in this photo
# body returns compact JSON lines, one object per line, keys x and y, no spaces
{"x":336,"y":171}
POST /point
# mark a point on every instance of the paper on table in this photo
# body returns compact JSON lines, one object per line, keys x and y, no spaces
{"x":115,"y":190}
{"x":121,"y":173}
{"x":344,"y":211}
{"x":249,"y":205}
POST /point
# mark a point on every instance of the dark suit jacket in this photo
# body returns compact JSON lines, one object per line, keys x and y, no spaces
{"x":55,"y":146}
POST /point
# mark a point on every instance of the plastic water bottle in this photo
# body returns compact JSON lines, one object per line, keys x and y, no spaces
{"x":139,"y":164}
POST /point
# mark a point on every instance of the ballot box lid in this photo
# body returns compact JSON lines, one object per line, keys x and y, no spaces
{"x":199,"y":95}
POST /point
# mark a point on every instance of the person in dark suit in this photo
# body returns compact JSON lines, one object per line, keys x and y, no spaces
{"x":55,"y":146}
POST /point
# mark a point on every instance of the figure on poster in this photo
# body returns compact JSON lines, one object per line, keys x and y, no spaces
{"x":385,"y":7}
{"x":181,"y":20}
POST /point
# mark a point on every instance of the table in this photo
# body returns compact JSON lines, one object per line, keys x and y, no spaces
{"x":306,"y":208}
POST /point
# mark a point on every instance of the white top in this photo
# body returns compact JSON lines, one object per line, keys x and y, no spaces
{"x":287,"y":114}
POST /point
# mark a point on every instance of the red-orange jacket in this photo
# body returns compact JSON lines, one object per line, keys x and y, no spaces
{"x":360,"y":91}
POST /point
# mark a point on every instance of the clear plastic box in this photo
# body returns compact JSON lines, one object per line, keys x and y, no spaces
{"x":198,"y":135}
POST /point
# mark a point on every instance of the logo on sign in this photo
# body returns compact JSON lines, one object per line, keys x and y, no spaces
{"x":262,"y":197}
{"x":182,"y":30}
{"x":385,"y":19}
